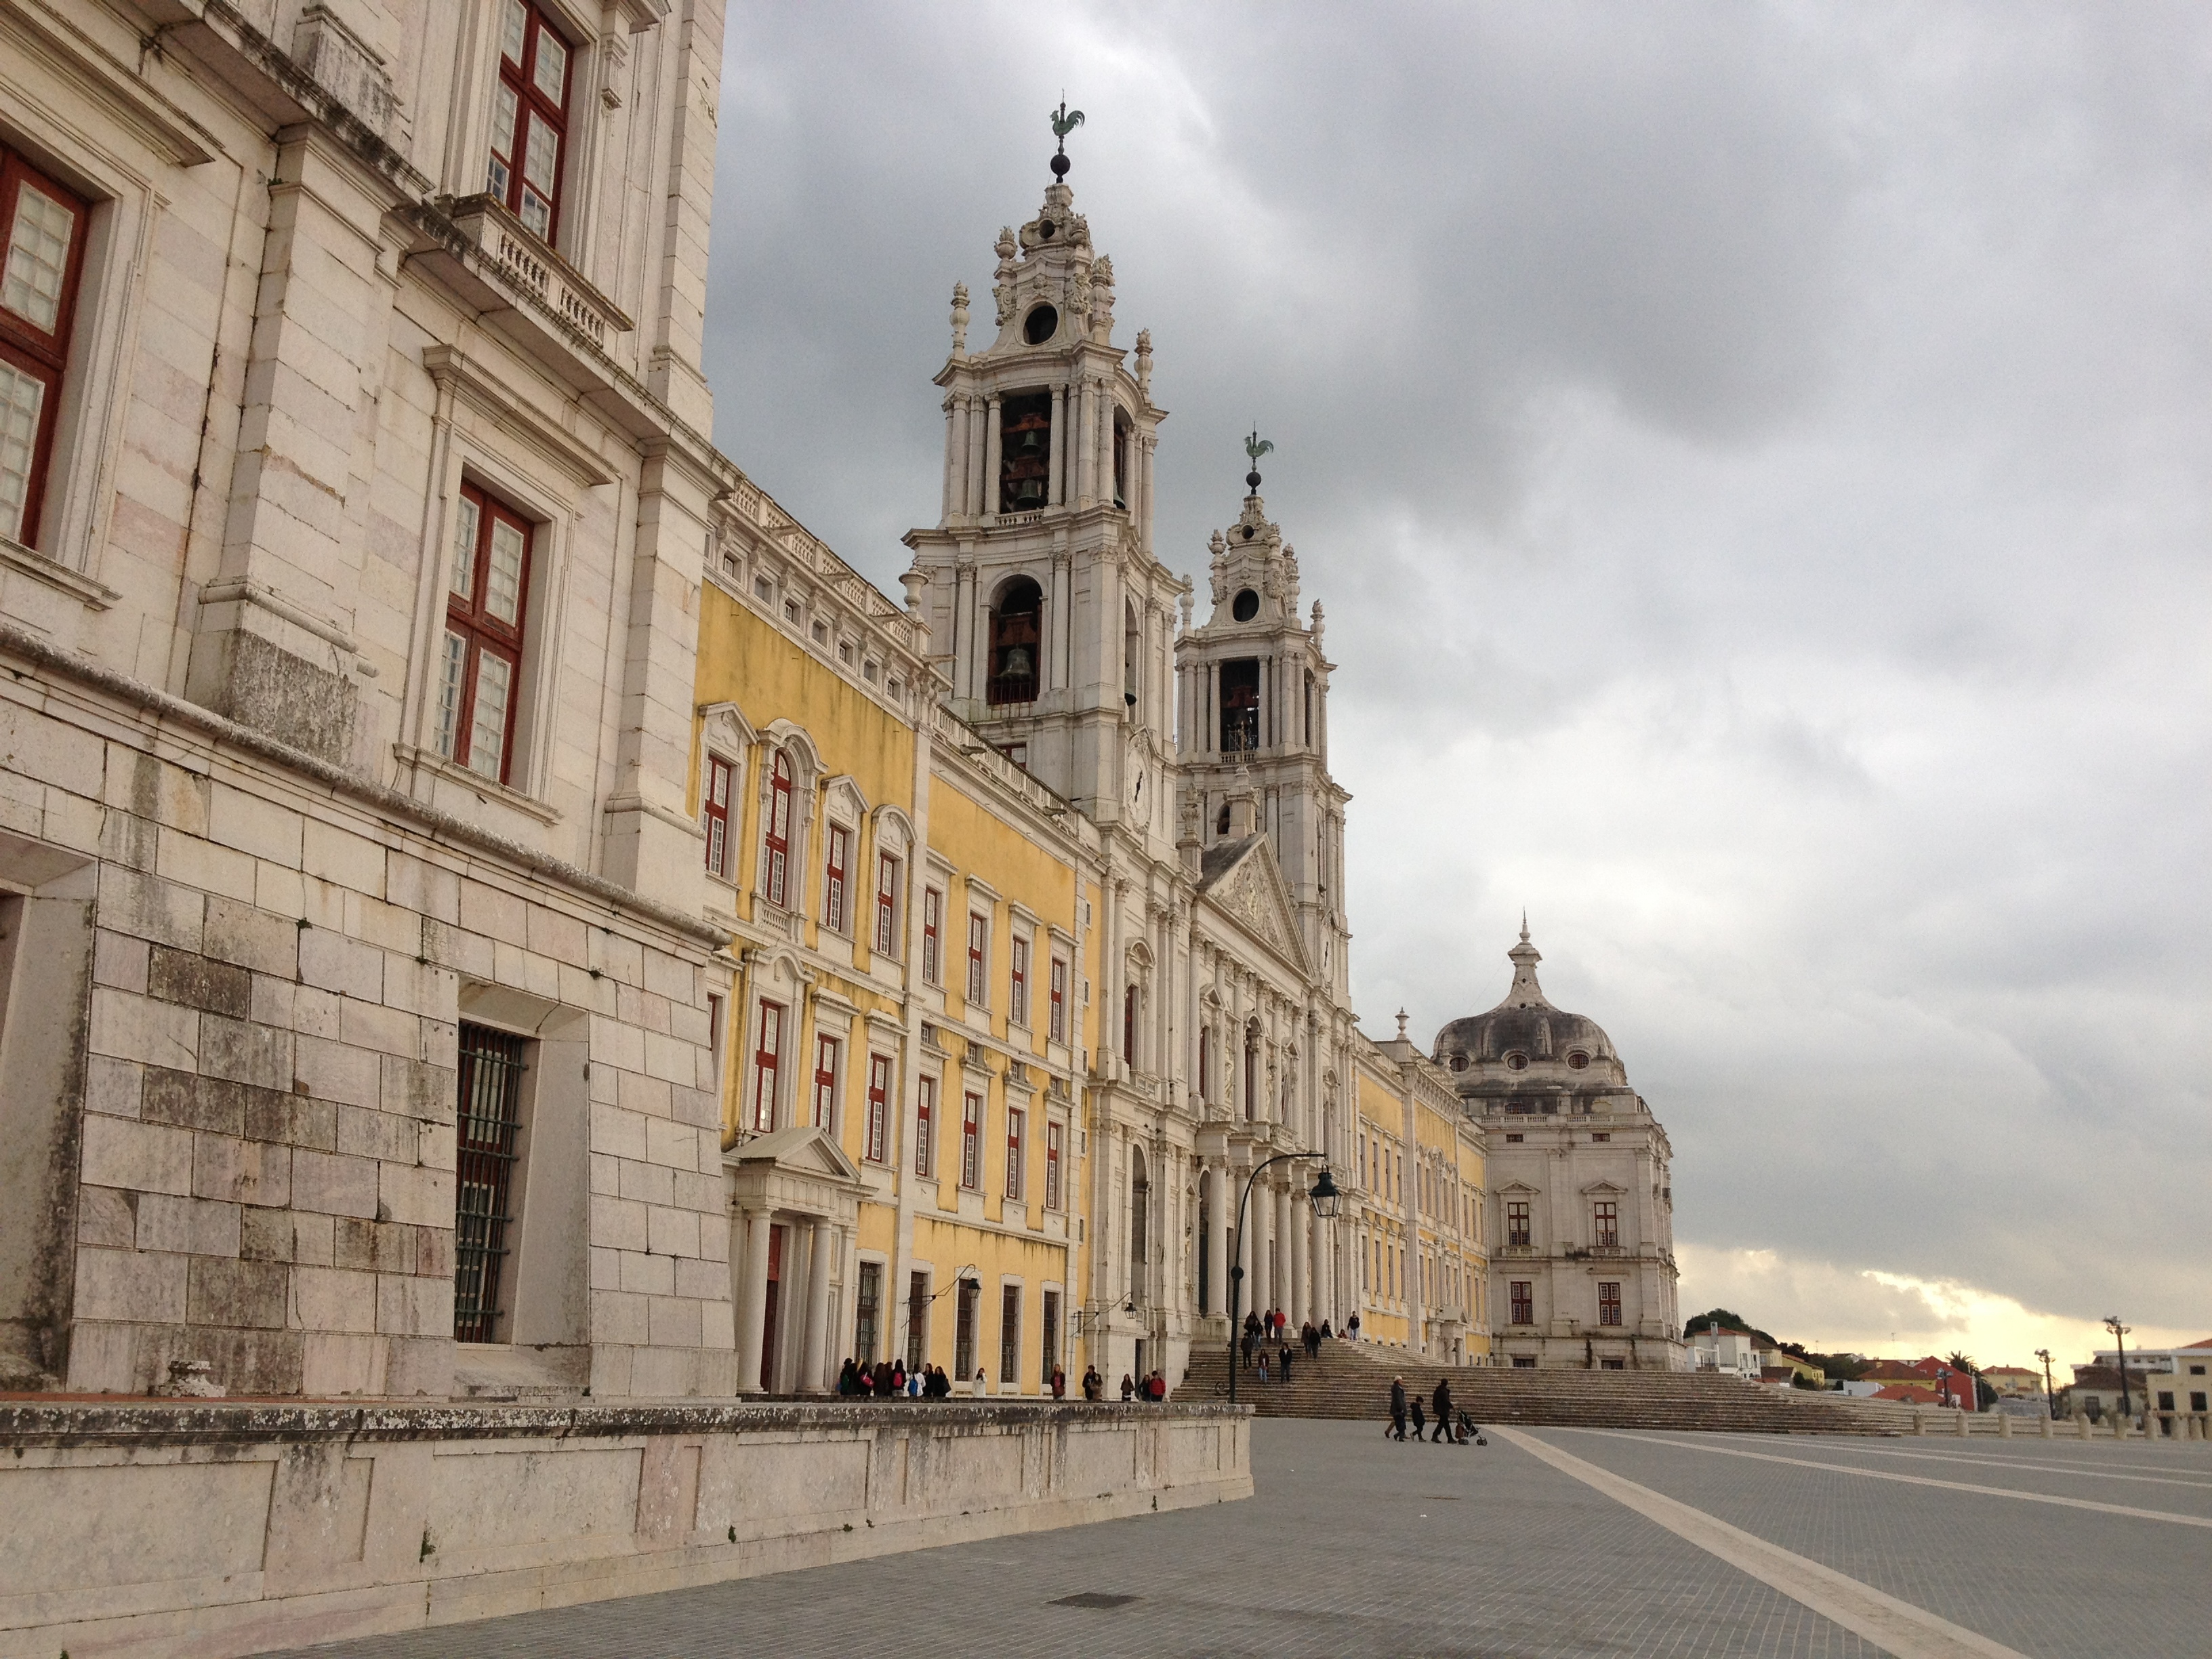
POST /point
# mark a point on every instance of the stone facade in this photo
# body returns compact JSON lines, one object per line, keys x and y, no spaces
{"x":265,"y":917}
{"x":1581,"y":1199}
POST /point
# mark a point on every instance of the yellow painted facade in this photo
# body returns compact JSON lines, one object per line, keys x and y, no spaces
{"x":880,"y":866}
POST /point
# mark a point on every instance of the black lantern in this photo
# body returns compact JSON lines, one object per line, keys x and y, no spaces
{"x":1324,"y":1195}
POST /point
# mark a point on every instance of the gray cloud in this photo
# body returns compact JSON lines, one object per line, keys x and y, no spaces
{"x":1754,"y":460}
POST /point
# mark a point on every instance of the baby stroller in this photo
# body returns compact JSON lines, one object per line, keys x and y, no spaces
{"x":1470,"y":1432}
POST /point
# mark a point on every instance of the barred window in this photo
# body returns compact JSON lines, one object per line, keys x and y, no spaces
{"x":1010,"y":1334}
{"x":1014,"y":1159}
{"x":925,"y":1126}
{"x":1059,"y":1000}
{"x":776,"y":837}
{"x":887,"y":869}
{"x":1605,"y":1225}
{"x":825,"y":1082}
{"x":971,"y":1143}
{"x":880,"y":1088}
{"x":1524,"y":1302}
{"x":1053,"y":1195}
{"x":1018,"y":988}
{"x":834,"y":869}
{"x":768,"y":1061}
{"x":1608,"y":1302}
{"x":489,"y":1110}
{"x":1517,"y":1223}
{"x":932,"y":919}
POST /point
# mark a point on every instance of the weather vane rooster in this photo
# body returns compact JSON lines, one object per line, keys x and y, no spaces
{"x":1256,"y":447}
{"x":1064,"y":121}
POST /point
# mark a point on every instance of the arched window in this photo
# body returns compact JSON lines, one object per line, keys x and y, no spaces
{"x":1017,"y":633}
{"x":1251,"y":1075}
{"x":1132,"y":651}
{"x":1129,"y":1024}
{"x":1205,"y":1062}
{"x":1139,"y":1205}
{"x":1122,"y":446}
{"x":779,"y":830}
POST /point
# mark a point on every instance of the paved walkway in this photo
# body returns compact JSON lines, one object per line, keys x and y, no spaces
{"x":1547,"y":1542}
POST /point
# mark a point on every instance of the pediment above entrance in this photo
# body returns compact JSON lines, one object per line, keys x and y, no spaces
{"x":1241,"y":880}
{"x":800,"y":1169}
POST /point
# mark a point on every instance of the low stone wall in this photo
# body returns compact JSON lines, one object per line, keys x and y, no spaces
{"x":218,"y":1529}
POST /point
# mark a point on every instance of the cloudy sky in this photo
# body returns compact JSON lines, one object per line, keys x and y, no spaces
{"x":1755,"y":462}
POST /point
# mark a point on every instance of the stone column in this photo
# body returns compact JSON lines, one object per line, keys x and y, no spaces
{"x":951,"y":462}
{"x":1285,"y":1254}
{"x":1216,"y":1241}
{"x":821,"y":1252}
{"x":1082,"y":461}
{"x":992,"y":432}
{"x":749,"y":1236}
{"x":1056,"y":464}
{"x":976,"y":500}
{"x":1105,"y":445}
{"x":1301,"y":1308}
{"x":1248,"y":1254}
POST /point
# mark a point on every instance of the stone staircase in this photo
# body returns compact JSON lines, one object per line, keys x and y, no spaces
{"x":1352,"y":1380}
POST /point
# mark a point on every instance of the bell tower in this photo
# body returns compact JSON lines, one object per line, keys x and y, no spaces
{"x":1252,"y":738}
{"x":1049,"y":614}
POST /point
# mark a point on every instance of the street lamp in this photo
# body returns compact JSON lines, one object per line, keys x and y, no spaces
{"x":2120,"y":1335}
{"x":2050,"y":1398}
{"x":1324,"y":1196}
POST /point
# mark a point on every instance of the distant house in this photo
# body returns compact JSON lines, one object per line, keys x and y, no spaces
{"x":1936,"y":1382}
{"x":2095,"y":1392}
{"x":1717,"y":1348}
{"x":2014,"y":1382}
{"x":2193,"y":1361}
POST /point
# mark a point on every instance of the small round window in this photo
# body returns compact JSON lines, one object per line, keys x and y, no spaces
{"x":1459,"y":1062}
{"x":1039,"y":324}
{"x":1245,"y":605}
{"x":1577,"y":1060}
{"x":1517,"y":1062}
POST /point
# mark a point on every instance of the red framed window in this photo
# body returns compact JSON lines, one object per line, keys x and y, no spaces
{"x":971,"y":1143}
{"x":1608,"y":1302}
{"x":778,"y":835}
{"x":925,"y":1126}
{"x":1129,"y":1025}
{"x":833,"y":876}
{"x":480,"y":662}
{"x":979,"y":940}
{"x":1015,"y":1165}
{"x":876,"y":1138}
{"x":42,"y":230}
{"x":1605,"y":1224}
{"x":825,"y":1082}
{"x":1018,"y":982}
{"x":768,"y":1060}
{"x":1053,"y":1133}
{"x":932,"y":922}
{"x":1059,"y":994}
{"x":1524,"y":1302}
{"x":716,"y":797}
{"x":1517,"y":1223}
{"x":530,"y":117}
{"x":886,"y":904}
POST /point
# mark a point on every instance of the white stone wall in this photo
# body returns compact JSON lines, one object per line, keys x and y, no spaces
{"x":250,"y":907}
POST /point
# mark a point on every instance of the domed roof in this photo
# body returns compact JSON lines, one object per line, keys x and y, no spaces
{"x":1525,"y":1024}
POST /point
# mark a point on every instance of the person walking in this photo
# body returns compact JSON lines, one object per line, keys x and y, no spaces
{"x":1263,"y":1364}
{"x":1351,"y":1327}
{"x":1419,"y":1421}
{"x":1244,"y":1343}
{"x":1286,"y":1362}
{"x":1440,"y":1402}
{"x":1397,"y":1429}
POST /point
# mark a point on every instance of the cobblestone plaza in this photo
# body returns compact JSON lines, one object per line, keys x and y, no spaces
{"x":1354,"y":1547}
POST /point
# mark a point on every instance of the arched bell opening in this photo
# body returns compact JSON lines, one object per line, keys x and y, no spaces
{"x":1016,"y":635}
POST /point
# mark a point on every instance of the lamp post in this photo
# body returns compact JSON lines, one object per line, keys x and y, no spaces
{"x":1943,"y":1382}
{"x":2120,"y":1335}
{"x":1324,"y":1195}
{"x":2050,"y":1398}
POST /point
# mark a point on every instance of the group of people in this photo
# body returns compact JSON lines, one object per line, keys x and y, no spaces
{"x":1263,"y":1330}
{"x":1454,"y":1427}
{"x":889,"y":1379}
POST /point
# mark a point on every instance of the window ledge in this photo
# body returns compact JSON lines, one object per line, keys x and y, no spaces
{"x":424,"y":760}
{"x":29,"y":562}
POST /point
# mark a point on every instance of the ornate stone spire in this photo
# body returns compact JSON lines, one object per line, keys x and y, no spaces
{"x":1524,"y":957}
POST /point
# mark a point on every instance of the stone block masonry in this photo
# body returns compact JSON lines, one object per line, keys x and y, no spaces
{"x":252,"y":971}
{"x":181,"y":1530}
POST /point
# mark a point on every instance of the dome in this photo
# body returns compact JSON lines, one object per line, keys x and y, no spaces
{"x":1525,"y":1031}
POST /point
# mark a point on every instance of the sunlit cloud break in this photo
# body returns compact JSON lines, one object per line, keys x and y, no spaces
{"x":1831,"y":1307}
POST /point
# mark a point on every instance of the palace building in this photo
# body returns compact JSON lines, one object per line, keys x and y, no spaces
{"x":492,"y":907}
